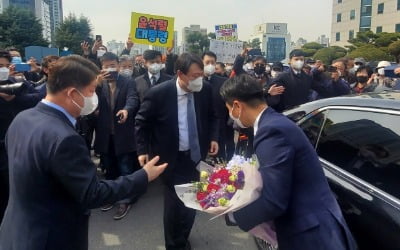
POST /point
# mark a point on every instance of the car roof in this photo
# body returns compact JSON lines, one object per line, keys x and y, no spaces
{"x":382,"y":100}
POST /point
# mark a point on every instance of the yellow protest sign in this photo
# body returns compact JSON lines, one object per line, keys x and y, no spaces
{"x":151,"y":29}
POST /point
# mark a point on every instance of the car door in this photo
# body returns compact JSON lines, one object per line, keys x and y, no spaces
{"x":359,"y":149}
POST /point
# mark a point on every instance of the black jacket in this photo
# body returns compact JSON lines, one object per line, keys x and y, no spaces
{"x":143,"y":83}
{"x":125,"y":98}
{"x":53,"y":183}
{"x":298,"y":90}
{"x":157,"y":131}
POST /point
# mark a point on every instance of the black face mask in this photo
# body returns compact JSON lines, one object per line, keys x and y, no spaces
{"x":259,"y":70}
{"x":362,"y":79}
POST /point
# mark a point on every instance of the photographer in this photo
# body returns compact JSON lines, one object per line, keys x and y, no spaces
{"x":330,"y":77}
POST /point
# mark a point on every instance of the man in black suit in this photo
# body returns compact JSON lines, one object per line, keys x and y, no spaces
{"x":298,"y":86}
{"x":154,"y":75}
{"x":115,"y":130}
{"x":176,"y":121}
{"x":226,"y":133}
{"x":53,"y":181}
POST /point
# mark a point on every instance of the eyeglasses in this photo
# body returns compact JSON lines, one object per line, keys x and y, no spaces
{"x":260,"y":65}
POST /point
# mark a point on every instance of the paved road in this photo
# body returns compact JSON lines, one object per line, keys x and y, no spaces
{"x":142,"y":229}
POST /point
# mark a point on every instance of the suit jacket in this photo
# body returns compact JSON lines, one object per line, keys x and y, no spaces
{"x":157,"y":129}
{"x":125,"y":98}
{"x":143,"y":83}
{"x":53,"y":183}
{"x":221,"y":111}
{"x":298,"y":90}
{"x":295,"y":193}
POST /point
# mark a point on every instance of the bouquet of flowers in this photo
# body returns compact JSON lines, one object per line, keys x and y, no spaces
{"x":227,"y":187}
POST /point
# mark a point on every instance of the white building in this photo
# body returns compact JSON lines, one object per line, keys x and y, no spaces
{"x":56,"y":16}
{"x":352,"y":16}
{"x":323,"y":40}
{"x":188,"y":30}
{"x":275,"y":41}
{"x":115,"y":47}
{"x":42,"y":12}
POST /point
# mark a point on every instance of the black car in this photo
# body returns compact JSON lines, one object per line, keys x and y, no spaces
{"x":358,"y":141}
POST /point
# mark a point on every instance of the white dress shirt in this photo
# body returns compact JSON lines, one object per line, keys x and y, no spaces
{"x":255,"y":126}
{"x":182,"y":118}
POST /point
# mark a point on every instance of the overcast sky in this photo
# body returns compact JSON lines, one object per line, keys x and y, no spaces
{"x":111,"y":18}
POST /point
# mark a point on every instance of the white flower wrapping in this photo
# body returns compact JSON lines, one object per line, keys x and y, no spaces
{"x":251,"y":191}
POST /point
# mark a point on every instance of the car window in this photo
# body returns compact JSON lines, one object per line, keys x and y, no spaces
{"x":366,"y":144}
{"x":312,"y":126}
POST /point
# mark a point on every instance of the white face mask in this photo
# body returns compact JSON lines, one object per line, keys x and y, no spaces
{"x":4,"y":73}
{"x":298,"y":65}
{"x":155,"y":68}
{"x":196,"y":85}
{"x":126,"y":72}
{"x":209,"y":69}
{"x":356,"y":67}
{"x":274,"y":73}
{"x":381,"y":71}
{"x":89,"y":104}
{"x":237,"y":120}
{"x":228,"y":68}
{"x":101,"y":52}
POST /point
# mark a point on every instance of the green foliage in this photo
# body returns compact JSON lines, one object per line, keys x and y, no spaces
{"x":72,"y":32}
{"x":312,"y":45}
{"x":327,"y":55}
{"x":20,"y":28}
{"x":212,"y":35}
{"x":371,"y":53}
{"x":394,"y":50}
{"x":198,"y":42}
{"x":255,"y":43}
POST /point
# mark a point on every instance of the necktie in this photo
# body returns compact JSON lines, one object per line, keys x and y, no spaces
{"x":195,"y":154}
{"x":153,"y":80}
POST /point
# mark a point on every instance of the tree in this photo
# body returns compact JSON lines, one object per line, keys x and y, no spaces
{"x":310,"y":49}
{"x":394,"y":50}
{"x":371,"y":53}
{"x":212,"y":35}
{"x":20,"y":28}
{"x":255,"y":43}
{"x":72,"y":32}
{"x":198,"y":42}
{"x":327,"y":55}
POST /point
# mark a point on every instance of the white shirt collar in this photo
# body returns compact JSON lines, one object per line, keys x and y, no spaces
{"x":255,"y":126}
{"x":157,"y":75}
{"x":180,"y":91}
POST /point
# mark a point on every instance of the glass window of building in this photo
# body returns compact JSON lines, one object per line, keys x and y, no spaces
{"x":397,"y":27}
{"x":339,"y":17}
{"x":353,"y":14}
{"x":339,"y":1}
{"x":379,"y":29}
{"x":381,"y":8}
{"x":337,"y":36}
{"x":351,"y":34}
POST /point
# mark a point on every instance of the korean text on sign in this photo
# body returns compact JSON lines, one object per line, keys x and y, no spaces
{"x":152,"y":30}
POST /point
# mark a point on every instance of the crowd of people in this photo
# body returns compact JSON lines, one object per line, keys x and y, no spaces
{"x":162,"y":105}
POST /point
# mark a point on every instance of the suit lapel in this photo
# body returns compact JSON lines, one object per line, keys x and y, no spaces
{"x":147,"y":79}
{"x":117,"y":90}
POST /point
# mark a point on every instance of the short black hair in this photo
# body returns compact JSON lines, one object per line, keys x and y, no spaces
{"x":186,"y":60}
{"x":260,"y":58}
{"x":210,"y":54}
{"x":151,"y":55}
{"x":71,"y":71}
{"x":109,"y":56}
{"x":5,"y":54}
{"x":243,"y":88}
{"x":221,"y":64}
{"x":365,"y":68}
